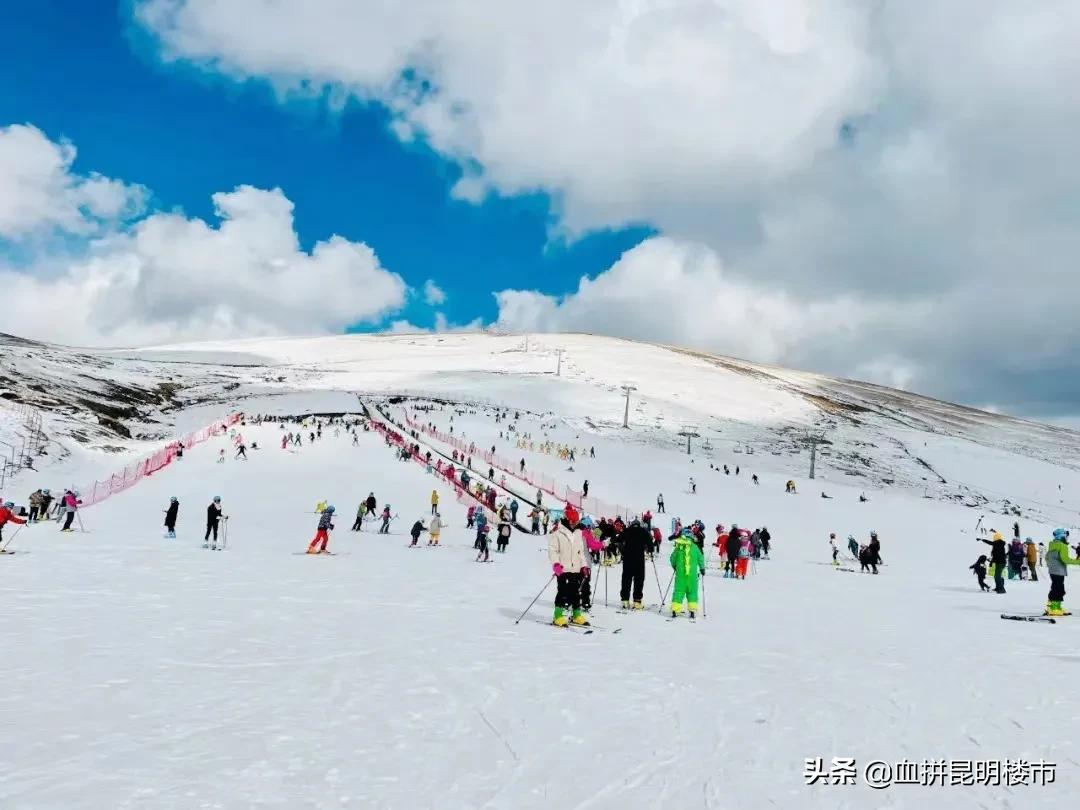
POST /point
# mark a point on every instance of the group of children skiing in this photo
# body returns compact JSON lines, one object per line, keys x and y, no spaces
{"x":1017,"y":557}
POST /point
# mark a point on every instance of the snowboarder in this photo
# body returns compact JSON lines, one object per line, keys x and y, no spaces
{"x":997,"y":559}
{"x":435,"y":529}
{"x":689,"y":565}
{"x":660,"y":503}
{"x":979,"y":567}
{"x":322,"y":532}
{"x":213,"y":517}
{"x":1057,"y":565}
{"x":170,"y":517}
{"x":566,"y":551}
{"x":385,"y":527}
{"x":634,"y":542}
{"x":434,"y":501}
{"x":415,"y":531}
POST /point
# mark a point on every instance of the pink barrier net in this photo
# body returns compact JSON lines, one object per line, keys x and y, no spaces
{"x":98,"y":491}
{"x":546,"y":483}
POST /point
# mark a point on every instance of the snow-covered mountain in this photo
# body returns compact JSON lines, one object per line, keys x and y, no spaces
{"x":873,"y":437}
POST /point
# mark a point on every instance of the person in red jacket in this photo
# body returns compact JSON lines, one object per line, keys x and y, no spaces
{"x":7,"y":516}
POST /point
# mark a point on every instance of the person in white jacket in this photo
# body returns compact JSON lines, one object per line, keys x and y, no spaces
{"x":569,"y":563}
{"x":434,"y":529}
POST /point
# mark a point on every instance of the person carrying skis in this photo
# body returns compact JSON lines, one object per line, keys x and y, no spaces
{"x":979,"y":567}
{"x":213,"y":517}
{"x":322,"y":532}
{"x":7,"y":515}
{"x":689,"y":565}
{"x":566,"y":552}
{"x":1057,"y":565}
{"x":415,"y":531}
{"x":998,"y":558}
{"x":434,"y":501}
{"x":385,"y":528}
{"x":434,"y":529}
{"x":1031,"y":554}
{"x":170,"y":517}
{"x":635,"y":542}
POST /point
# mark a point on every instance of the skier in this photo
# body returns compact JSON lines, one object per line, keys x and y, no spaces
{"x":693,"y":487}
{"x":241,"y":452}
{"x":979,"y":568}
{"x":789,"y":488}
{"x":732,"y":548}
{"x":434,"y":501}
{"x":482,"y":541}
{"x":1032,"y":556}
{"x":8,"y":516}
{"x":522,"y":467}
{"x":635,"y":542}
{"x":322,"y":532}
{"x":35,"y":506}
{"x":470,"y":517}
{"x":514,"y":506}
{"x":875,"y":551}
{"x":853,"y":546}
{"x":566,"y":551}
{"x":435,"y":529}
{"x":415,"y":531}
{"x":503,"y":539}
{"x":46,"y":502}
{"x":997,"y":559}
{"x":660,"y":503}
{"x":835,"y":550}
{"x":1057,"y":565}
{"x":371,"y":503}
{"x":358,"y":524}
{"x":547,"y":520}
{"x":481,"y":529}
{"x":385,"y":528}
{"x":170,"y":517}
{"x":689,"y":564}
{"x":754,"y":479}
{"x":284,"y":442}
{"x":585,"y":489}
{"x":213,"y":517}
{"x":71,"y":505}
{"x":221,"y":456}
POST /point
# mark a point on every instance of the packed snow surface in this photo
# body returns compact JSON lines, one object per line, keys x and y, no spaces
{"x":142,"y":672}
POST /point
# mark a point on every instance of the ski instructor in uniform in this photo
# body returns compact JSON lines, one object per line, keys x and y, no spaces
{"x":634,"y":542}
{"x":566,"y":550}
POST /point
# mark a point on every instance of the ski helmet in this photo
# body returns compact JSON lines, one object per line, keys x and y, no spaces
{"x":873,"y":534}
{"x":832,"y":535}
{"x":1060,"y":534}
{"x":44,"y":492}
{"x":173,"y":499}
{"x":217,"y":499}
{"x":9,"y":504}
{"x":329,"y":509}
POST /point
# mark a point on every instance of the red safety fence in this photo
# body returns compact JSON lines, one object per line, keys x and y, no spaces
{"x":546,"y":483}
{"x":98,"y":491}
{"x":447,"y":472}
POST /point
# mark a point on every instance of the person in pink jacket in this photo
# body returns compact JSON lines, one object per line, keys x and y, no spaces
{"x":592,"y":543}
{"x":71,"y":504}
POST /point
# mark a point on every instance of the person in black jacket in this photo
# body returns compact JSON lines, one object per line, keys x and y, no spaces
{"x":635,"y":541}
{"x":980,"y":571}
{"x":999,"y":559}
{"x":765,"y":538}
{"x":170,"y":516}
{"x":734,"y":543}
{"x":213,"y":516}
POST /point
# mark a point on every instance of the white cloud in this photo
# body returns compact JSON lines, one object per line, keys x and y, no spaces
{"x":170,"y":277}
{"x":952,"y":191}
{"x":442,"y":324}
{"x":433,"y":294}
{"x":39,"y":192}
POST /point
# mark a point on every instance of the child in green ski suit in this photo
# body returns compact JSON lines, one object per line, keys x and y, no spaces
{"x":689,"y":564}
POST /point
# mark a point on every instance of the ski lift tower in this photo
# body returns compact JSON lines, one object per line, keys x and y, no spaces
{"x":626,"y":412}
{"x":689,"y":433}
{"x":814,"y":440}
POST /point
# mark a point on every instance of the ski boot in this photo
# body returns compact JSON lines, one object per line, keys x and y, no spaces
{"x":559,"y":619}
{"x":1053,"y":609}
{"x":638,"y":606}
{"x":214,"y":547}
{"x":693,"y":615}
{"x":205,"y":544}
{"x":625,"y":604}
{"x":580,"y":618}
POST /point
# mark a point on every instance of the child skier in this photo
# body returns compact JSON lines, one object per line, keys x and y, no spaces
{"x":1057,"y":565}
{"x":835,"y":551}
{"x":689,"y":564}
{"x":434,"y":501}
{"x":415,"y":531}
{"x":980,"y":572}
{"x":853,"y":546}
{"x":470,"y":517}
{"x":566,"y":551}
{"x":1032,"y":555}
{"x":358,"y":524}
{"x":482,"y":542}
{"x":385,"y":528}
{"x":503,"y":539}
{"x":322,"y":532}
{"x":435,"y":529}
{"x":1016,"y":559}
{"x":170,"y":517}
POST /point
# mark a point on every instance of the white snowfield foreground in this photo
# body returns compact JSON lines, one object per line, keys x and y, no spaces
{"x":142,"y":672}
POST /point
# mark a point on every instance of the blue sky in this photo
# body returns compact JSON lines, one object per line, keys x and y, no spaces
{"x":813,"y":185}
{"x":84,"y":72}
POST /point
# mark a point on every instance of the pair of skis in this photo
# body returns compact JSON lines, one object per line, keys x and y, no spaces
{"x":1032,"y":617}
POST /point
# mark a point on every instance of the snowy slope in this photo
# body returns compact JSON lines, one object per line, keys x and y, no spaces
{"x":149,"y":673}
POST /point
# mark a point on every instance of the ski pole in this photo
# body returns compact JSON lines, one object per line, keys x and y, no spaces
{"x":81,"y":527}
{"x":657,"y":575}
{"x":663,"y":596}
{"x":703,"y":594}
{"x":225,"y":535}
{"x":14,"y":534}
{"x":533,"y":602}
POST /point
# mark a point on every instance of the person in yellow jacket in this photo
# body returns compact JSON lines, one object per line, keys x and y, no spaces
{"x":1032,"y":553}
{"x":434,"y":501}
{"x":569,"y":564}
{"x":689,"y":564}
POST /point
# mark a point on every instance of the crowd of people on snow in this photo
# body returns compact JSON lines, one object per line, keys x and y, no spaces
{"x":1019,"y":560}
{"x":41,"y":507}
